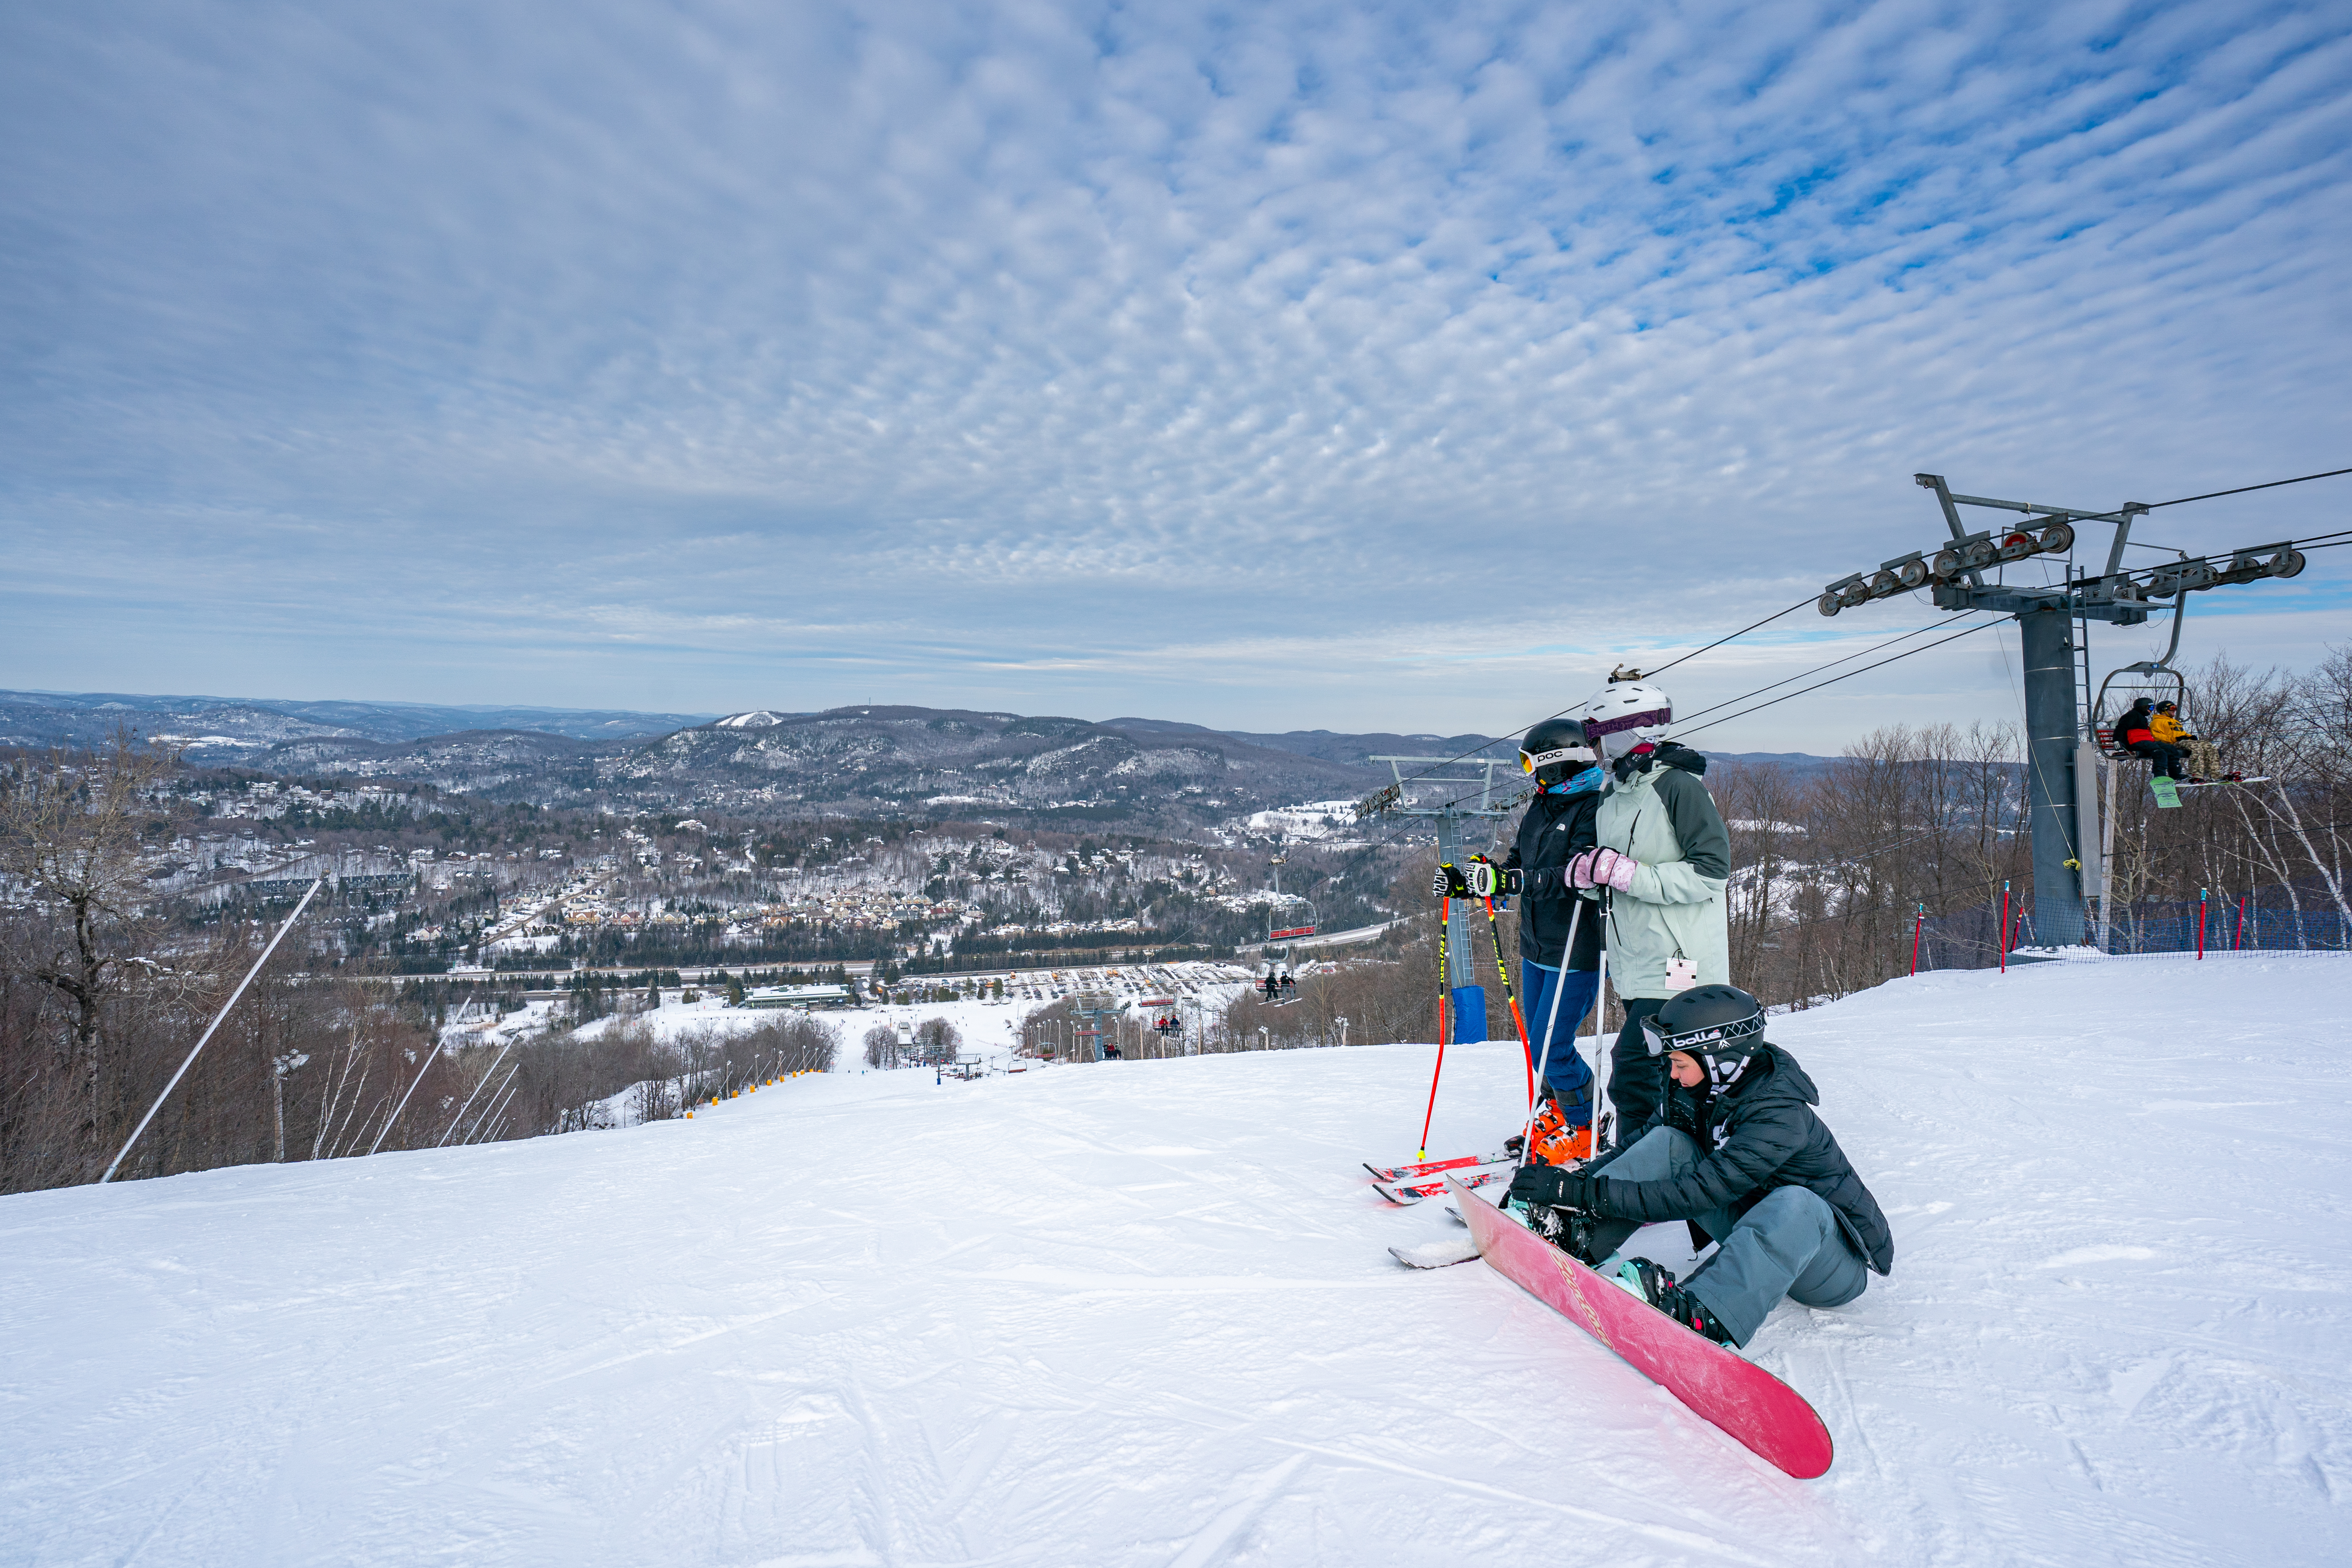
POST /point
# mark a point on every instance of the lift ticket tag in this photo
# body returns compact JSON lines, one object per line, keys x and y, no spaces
{"x":1682,"y":973}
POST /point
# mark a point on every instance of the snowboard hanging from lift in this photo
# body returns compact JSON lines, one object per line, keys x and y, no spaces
{"x":2167,"y":792}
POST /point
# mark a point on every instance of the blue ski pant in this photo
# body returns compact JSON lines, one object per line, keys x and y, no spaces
{"x":1789,"y":1245}
{"x":1570,"y":1080}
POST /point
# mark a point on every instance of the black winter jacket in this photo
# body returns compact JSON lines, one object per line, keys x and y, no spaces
{"x":1554,"y":827}
{"x":1760,"y":1135}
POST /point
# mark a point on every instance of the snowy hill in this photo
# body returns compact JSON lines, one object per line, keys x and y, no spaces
{"x":1143,"y":1313}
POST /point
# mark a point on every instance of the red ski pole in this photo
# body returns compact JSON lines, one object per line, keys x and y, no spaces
{"x":1916,"y":926}
{"x":2201,"y":924}
{"x":2004,"y":928}
{"x":1444,"y":916}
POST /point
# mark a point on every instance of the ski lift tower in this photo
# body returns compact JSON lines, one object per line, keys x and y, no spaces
{"x":2062,"y":756}
{"x":1453,"y":791}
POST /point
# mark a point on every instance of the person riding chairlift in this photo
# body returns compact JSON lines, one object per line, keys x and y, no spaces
{"x":2204,"y":756}
{"x":2135,"y":733}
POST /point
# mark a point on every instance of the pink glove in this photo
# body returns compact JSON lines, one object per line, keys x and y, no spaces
{"x":1602,"y":867}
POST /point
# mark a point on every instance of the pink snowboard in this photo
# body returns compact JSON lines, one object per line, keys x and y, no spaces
{"x":1768,"y":1415}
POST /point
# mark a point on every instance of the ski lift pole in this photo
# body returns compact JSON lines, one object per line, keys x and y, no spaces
{"x":207,"y":1035}
{"x":2200,"y":923}
{"x":1444,"y":913}
{"x":1917,"y":926}
{"x":2004,"y":928}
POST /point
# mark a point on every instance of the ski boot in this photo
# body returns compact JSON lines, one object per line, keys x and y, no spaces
{"x":1640,"y":1277}
{"x":1556,"y":1142}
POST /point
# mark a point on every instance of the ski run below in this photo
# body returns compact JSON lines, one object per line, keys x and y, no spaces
{"x":1145,"y":1312}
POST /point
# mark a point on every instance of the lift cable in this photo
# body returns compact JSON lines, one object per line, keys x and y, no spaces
{"x":1848,"y":675}
{"x":2242,"y":489}
{"x":1832,"y":664}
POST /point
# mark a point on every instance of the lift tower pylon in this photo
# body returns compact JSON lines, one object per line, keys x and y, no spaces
{"x":2060,"y":733}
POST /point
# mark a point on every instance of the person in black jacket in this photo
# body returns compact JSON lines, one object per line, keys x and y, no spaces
{"x":2135,"y":732}
{"x":1737,"y":1153}
{"x":1557,"y":825}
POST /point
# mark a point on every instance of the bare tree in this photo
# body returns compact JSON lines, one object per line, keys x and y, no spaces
{"x":71,"y":825}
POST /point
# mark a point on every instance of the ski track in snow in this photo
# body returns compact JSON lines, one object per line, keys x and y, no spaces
{"x":1144,"y":1313}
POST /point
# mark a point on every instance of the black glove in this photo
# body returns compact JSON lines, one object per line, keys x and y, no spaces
{"x":1538,"y":1185}
{"x":1449,"y":883}
{"x":1552,"y":1187}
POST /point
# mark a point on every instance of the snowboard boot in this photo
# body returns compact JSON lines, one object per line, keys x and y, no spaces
{"x":1657,"y":1286}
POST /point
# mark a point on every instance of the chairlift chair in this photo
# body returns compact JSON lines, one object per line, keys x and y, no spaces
{"x":2154,"y":679}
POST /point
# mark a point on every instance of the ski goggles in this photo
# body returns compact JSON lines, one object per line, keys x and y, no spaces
{"x":1596,"y":728}
{"x":1529,"y":763}
{"x":1709,"y":1040}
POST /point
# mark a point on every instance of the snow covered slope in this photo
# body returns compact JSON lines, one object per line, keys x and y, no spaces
{"x":1143,"y":1313}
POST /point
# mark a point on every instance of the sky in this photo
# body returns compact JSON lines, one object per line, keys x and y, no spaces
{"x":1283,"y":366}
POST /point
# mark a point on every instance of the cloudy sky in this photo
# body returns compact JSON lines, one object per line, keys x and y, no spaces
{"x":1277,"y":367}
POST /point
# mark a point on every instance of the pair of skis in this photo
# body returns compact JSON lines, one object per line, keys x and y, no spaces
{"x":1406,"y":1185}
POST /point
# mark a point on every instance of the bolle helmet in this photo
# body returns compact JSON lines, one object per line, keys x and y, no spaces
{"x":1722,"y":1025}
{"x":1626,"y":714}
{"x":1556,"y":751}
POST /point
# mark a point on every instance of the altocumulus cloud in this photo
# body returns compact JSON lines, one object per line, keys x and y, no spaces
{"x":1286,"y":365}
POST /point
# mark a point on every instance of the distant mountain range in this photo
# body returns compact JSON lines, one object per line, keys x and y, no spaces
{"x":858,"y":761}
{"x":217,"y":727}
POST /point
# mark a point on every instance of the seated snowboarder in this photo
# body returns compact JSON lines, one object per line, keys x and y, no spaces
{"x":1737,"y":1152}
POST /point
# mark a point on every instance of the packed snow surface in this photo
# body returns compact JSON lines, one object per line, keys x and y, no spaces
{"x":1144,"y":1312}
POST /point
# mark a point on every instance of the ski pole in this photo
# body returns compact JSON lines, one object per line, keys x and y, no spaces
{"x":1511,"y":1001}
{"x":1602,"y":1081}
{"x":1551,"y":1023}
{"x":1445,"y":917}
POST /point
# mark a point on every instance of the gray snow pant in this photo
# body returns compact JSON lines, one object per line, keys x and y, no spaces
{"x":1790,"y":1244}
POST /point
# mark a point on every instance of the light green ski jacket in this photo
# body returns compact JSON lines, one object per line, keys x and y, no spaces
{"x":1665,"y":819}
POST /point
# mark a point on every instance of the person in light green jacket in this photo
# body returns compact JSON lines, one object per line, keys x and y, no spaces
{"x":1659,"y":866}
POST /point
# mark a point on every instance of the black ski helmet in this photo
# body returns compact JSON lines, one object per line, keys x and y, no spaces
{"x":1556,"y":749}
{"x":1722,"y":1025}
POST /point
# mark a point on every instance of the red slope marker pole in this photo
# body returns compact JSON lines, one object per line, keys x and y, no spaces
{"x":1444,"y":916}
{"x":2201,"y":924}
{"x":1917,"y":927}
{"x":2004,"y":928}
{"x":2241,"y":939}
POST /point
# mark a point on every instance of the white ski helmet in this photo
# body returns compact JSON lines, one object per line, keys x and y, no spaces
{"x":1626,"y":714}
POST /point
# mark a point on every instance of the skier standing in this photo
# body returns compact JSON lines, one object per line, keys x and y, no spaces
{"x":1736,"y":1152}
{"x":1663,"y":854}
{"x":1557,"y":825}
